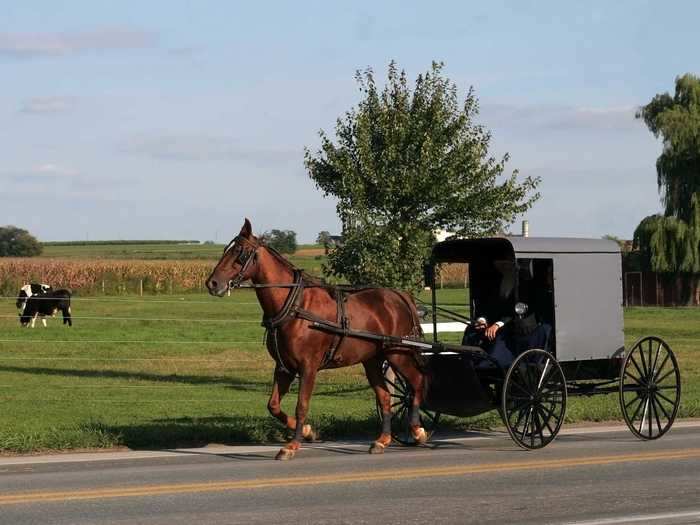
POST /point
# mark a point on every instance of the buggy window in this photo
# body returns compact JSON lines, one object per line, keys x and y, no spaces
{"x":536,"y":287}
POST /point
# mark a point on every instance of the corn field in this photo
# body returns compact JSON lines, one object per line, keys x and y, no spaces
{"x":452,"y":275}
{"x":105,"y":276}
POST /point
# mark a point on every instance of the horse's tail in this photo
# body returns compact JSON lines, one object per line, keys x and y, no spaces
{"x":410,"y":304}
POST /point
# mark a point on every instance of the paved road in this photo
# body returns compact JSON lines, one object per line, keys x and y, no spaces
{"x":594,"y":476}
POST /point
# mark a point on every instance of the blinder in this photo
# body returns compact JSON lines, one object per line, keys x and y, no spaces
{"x":245,"y":258}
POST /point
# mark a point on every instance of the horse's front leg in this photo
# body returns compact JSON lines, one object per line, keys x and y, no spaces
{"x":306,"y":388}
{"x":282,"y":380}
{"x":373,"y":371}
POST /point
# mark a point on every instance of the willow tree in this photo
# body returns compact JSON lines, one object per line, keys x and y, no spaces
{"x":676,"y":120}
{"x":670,"y":243}
{"x":405,"y":162}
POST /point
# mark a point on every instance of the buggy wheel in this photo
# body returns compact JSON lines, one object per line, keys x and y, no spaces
{"x":650,"y":388}
{"x":401,"y":402}
{"x":533,"y":401}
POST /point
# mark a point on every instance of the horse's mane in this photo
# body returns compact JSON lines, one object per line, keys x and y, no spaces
{"x":309,"y":280}
{"x":314,"y":281}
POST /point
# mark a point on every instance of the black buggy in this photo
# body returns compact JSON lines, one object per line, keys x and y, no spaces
{"x":572,"y":290}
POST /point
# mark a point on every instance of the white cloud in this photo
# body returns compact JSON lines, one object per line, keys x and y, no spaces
{"x":47,"y":105}
{"x":202,"y":148}
{"x":30,"y":45}
{"x":54,"y":170}
{"x":561,"y":118}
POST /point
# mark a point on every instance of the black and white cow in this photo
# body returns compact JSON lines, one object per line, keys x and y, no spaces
{"x":29,"y":290}
{"x":47,"y":304}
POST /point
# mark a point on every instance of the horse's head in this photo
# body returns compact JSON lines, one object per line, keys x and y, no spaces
{"x":24,"y":293}
{"x":236,"y":264}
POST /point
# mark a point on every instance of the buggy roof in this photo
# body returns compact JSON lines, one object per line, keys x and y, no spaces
{"x":458,"y":250}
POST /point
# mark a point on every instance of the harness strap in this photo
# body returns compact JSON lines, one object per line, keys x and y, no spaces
{"x":343,"y":323}
{"x":290,"y":306}
{"x":286,"y":313}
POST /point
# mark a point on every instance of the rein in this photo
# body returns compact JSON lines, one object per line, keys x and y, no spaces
{"x":291,"y":309}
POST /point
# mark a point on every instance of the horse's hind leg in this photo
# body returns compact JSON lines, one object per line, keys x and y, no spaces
{"x":280,"y":386}
{"x":373,"y":371}
{"x":403,"y":361}
{"x":306,"y":388}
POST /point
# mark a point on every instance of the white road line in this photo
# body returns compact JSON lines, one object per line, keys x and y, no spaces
{"x":642,"y":518}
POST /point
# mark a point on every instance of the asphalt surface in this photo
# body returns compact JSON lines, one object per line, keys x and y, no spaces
{"x":592,"y":476}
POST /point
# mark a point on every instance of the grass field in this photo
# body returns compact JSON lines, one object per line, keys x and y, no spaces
{"x":168,"y":370}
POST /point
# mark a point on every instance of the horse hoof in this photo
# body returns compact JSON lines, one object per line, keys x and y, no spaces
{"x":285,"y":454}
{"x":421,"y":436}
{"x":308,"y":433}
{"x":377,"y":448}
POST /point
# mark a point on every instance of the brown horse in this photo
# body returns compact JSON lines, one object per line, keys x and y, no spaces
{"x":289,"y":312}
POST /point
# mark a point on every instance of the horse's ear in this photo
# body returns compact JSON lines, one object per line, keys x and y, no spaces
{"x":247,"y":229}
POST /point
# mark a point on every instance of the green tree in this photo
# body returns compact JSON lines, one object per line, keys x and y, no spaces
{"x":284,"y":241}
{"x":670,"y":243}
{"x":16,"y":242}
{"x":405,"y":163}
{"x":676,"y":120}
{"x":324,"y":238}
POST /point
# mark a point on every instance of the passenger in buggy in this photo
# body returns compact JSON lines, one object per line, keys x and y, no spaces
{"x":518,"y":326}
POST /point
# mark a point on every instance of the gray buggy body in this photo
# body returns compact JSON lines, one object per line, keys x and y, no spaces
{"x":586,"y":285}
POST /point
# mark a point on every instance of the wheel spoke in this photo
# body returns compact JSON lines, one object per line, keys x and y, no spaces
{"x":551,"y":372}
{"x":650,"y":405}
{"x":521,"y":388}
{"x":527,"y":424}
{"x":665,"y":375}
{"x":539,"y":425}
{"x":636,"y":365}
{"x":635,"y":379}
{"x":659,"y":405}
{"x":656,"y":360}
{"x":666,"y":399}
{"x":641,"y":403}
{"x":553,"y":392}
{"x":545,"y":419}
{"x":646,"y":406}
{"x":432,"y":418}
{"x":656,"y":414}
{"x":661,"y":367}
{"x":634,"y":399}
{"x":550,"y":413}
{"x":645,"y":370}
{"x":521,"y":415}
{"x":397,"y":386}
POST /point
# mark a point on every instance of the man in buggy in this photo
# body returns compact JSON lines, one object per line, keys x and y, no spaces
{"x":513,"y":305}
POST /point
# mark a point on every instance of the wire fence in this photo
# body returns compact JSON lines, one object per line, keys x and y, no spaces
{"x":107,"y":370}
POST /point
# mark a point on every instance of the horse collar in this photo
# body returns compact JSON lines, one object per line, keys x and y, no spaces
{"x":290,"y":306}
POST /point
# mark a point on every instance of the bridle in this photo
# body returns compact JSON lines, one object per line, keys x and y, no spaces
{"x":246,"y":258}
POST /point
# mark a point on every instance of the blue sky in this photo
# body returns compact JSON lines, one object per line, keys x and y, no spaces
{"x":177,"y":119}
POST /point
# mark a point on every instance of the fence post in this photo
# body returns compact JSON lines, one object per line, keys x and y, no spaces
{"x":103,"y":286}
{"x":141,"y":287}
